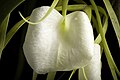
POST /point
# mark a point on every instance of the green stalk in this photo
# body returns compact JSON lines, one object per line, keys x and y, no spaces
{"x":64,"y":12}
{"x":13,"y":30}
{"x":105,"y":24}
{"x":34,"y":77}
{"x":113,"y":18}
{"x":28,"y":7}
{"x":48,"y":12}
{"x":72,"y":7}
{"x":110,"y":60}
{"x":64,"y":7}
{"x":115,"y":24}
{"x":51,"y":76}
{"x":84,"y":74}
{"x":88,"y":11}
{"x":72,"y":74}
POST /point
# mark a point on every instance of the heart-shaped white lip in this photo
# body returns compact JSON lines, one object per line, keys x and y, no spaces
{"x":48,"y":49}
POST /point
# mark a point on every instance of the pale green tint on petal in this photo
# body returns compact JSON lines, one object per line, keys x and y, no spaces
{"x":93,"y":69}
{"x":76,"y":43}
{"x":47,"y":48}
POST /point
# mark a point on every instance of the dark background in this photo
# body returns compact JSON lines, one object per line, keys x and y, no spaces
{"x":13,"y":65}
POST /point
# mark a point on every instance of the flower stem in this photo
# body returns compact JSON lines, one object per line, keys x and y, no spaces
{"x":72,"y":74}
{"x":110,"y":60}
{"x":64,"y":7}
{"x":84,"y":74}
{"x":51,"y":76}
{"x":34,"y":77}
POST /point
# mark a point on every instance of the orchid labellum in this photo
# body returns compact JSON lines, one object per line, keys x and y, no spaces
{"x":52,"y":46}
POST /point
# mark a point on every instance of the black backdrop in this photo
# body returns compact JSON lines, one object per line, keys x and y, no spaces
{"x":13,"y":56}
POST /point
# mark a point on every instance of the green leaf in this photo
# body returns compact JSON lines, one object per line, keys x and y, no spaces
{"x":3,"y":29}
{"x":79,"y":1}
{"x":7,"y":6}
{"x":13,"y":30}
{"x":109,"y":57}
{"x":60,"y":3}
{"x":88,"y":11}
{"x":113,"y":18}
{"x":105,"y":24}
{"x":48,"y":12}
{"x":72,"y":7}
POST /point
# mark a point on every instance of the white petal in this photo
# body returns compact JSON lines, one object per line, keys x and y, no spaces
{"x":76,"y":43}
{"x":93,"y":70}
{"x":47,"y":48}
{"x":41,"y":42}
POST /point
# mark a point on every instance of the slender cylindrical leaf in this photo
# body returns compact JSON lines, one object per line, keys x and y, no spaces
{"x":7,"y":6}
{"x":3,"y":29}
{"x":113,"y":18}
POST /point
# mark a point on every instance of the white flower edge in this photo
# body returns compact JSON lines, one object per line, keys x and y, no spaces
{"x":47,"y":48}
{"x":93,"y":70}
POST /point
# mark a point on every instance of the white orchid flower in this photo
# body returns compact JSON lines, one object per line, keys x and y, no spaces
{"x":49,"y":46}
